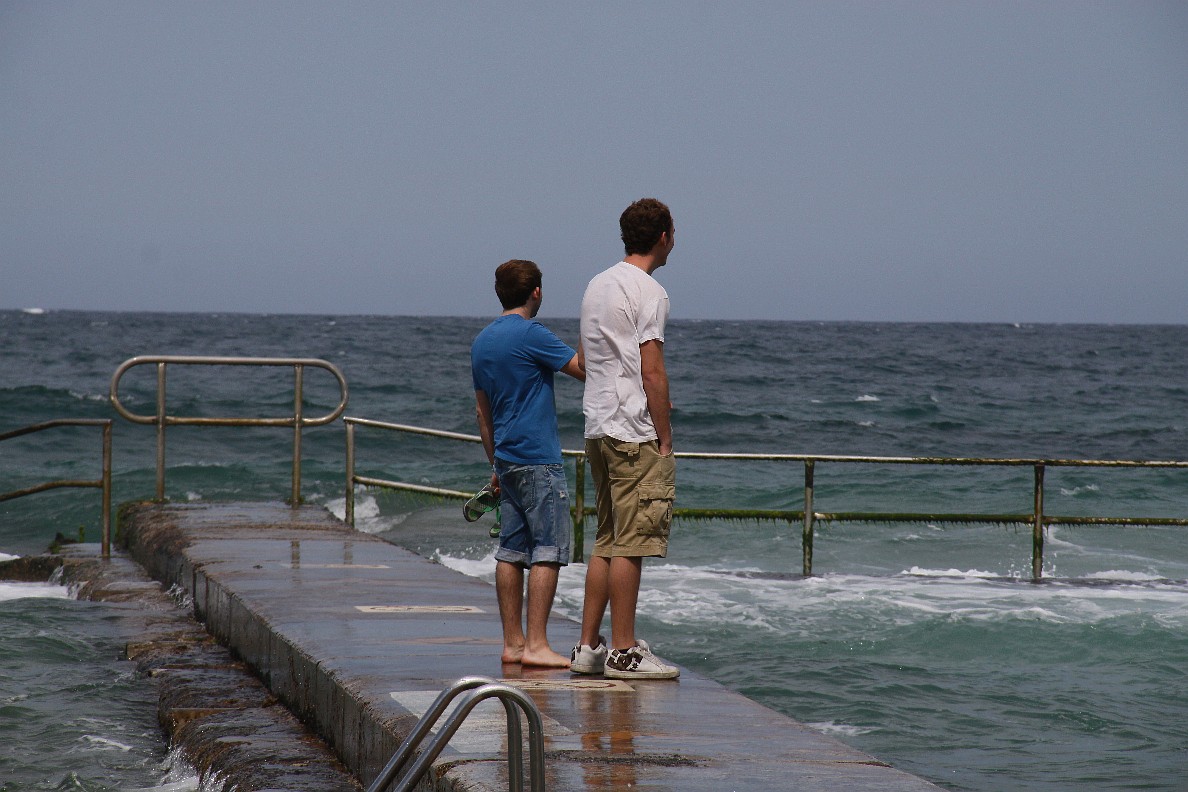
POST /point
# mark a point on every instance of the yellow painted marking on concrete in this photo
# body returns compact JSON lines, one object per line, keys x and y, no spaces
{"x":419,"y":609}
{"x":596,"y":685}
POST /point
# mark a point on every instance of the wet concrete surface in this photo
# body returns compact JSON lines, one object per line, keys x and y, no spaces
{"x":357,"y":636}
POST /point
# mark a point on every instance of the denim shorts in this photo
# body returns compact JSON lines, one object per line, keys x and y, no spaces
{"x":534,"y":514}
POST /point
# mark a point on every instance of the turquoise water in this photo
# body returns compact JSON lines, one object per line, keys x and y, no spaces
{"x":923,"y":644}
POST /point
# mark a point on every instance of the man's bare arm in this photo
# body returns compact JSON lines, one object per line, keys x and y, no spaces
{"x":486,"y":425}
{"x":655,"y":385}
{"x":576,"y":367}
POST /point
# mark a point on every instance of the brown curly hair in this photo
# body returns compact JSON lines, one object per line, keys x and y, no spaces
{"x":642,"y":223}
{"x":514,"y":282}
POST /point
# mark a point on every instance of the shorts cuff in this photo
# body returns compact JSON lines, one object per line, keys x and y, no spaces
{"x":549,"y":555}
{"x":649,"y":550}
{"x":512,"y":557}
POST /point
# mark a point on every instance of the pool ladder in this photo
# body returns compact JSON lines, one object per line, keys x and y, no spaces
{"x":476,"y":689}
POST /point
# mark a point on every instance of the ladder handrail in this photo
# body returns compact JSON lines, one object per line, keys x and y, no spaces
{"x":477,"y":689}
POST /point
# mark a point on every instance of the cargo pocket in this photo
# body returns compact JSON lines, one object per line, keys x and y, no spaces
{"x":655,"y":508}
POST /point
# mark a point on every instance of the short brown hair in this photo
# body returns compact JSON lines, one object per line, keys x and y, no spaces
{"x":514,"y":282}
{"x":642,"y":223}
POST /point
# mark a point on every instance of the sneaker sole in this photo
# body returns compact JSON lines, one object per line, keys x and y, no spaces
{"x":611,"y":673}
{"x":586,"y":670}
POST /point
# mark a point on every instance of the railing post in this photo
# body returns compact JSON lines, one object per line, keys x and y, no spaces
{"x":298,"y":400}
{"x":350,"y":474}
{"x":1037,"y":526}
{"x":161,"y":431}
{"x":807,"y":536}
{"x":106,"y":540}
{"x":579,"y":509}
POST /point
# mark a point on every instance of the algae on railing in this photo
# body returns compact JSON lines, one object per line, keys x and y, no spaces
{"x":808,"y":516}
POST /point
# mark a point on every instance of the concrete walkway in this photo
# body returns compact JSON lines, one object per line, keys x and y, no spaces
{"x":357,"y":637}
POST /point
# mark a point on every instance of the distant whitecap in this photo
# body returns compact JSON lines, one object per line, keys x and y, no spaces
{"x":839,"y":729}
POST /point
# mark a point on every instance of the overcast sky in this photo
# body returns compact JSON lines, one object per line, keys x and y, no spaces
{"x":905,"y":161}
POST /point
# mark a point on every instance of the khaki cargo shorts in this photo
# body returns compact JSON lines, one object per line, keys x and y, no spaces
{"x":635,"y":487}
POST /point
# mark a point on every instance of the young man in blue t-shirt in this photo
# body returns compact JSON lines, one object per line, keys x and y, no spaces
{"x":512,"y":362}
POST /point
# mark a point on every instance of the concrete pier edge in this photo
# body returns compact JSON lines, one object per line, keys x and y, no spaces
{"x":212,"y":707}
{"x":289,"y":590}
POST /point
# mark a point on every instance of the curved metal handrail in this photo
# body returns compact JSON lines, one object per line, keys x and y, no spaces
{"x":480,"y":688}
{"x":190,"y":360}
{"x":161,"y":419}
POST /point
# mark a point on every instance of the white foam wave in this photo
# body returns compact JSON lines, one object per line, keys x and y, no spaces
{"x":949,"y":573}
{"x":7,"y":557}
{"x":105,"y":743}
{"x":92,"y":397}
{"x":471,"y":567}
{"x":179,"y":776}
{"x":712,"y":597}
{"x":1124,"y":574}
{"x":14,"y":591}
{"x":1078,"y":490}
{"x":866,"y":397}
{"x":570,"y":581}
{"x":214,"y":782}
{"x":368,"y":517}
{"x":839,"y":729}
{"x":1056,"y":540}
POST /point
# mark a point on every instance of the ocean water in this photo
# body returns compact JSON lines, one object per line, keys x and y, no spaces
{"x":924,"y":644}
{"x":73,"y":715}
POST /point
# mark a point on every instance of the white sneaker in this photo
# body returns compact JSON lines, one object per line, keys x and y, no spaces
{"x":638,"y":662}
{"x":588,"y":659}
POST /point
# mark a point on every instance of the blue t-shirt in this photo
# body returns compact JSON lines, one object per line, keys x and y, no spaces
{"x":512,"y":361}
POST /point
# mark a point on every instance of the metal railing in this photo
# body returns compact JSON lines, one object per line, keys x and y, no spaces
{"x":297,"y":421}
{"x":480,"y":688}
{"x":577,"y":511}
{"x":103,"y":482}
{"x":1037,"y":519}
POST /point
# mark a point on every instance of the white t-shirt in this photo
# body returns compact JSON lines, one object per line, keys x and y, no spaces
{"x":623,"y":307}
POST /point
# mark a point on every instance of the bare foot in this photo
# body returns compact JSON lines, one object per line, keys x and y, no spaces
{"x":512,"y":654}
{"x":545,"y":659}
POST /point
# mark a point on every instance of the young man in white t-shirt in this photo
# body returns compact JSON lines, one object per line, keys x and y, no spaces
{"x":628,"y":441}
